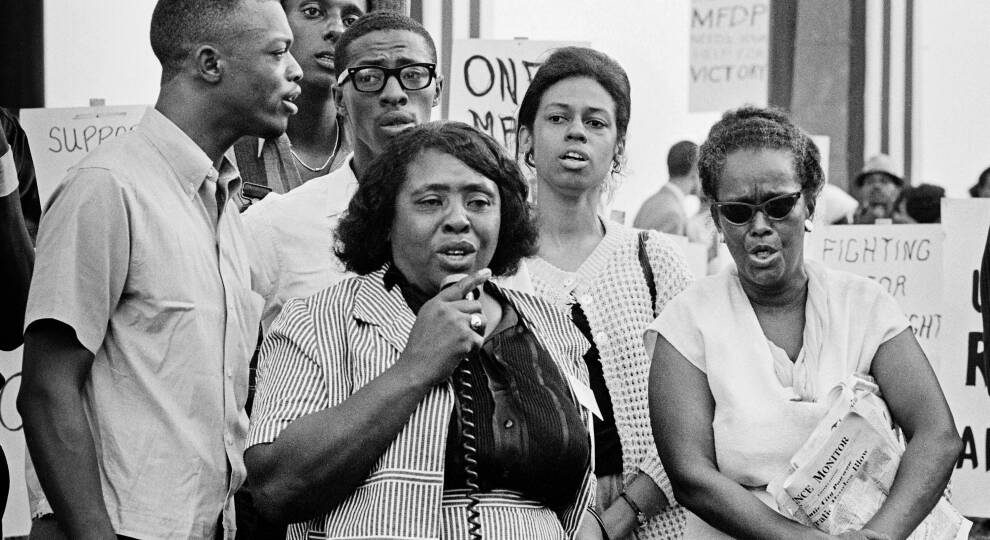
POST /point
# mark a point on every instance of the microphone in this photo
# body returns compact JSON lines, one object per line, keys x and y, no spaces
{"x":452,"y":279}
{"x":466,"y":418}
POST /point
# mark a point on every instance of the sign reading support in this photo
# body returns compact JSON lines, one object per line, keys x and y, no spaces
{"x":729,"y":54}
{"x":964,"y":371}
{"x":906,"y":260}
{"x":488,"y":79}
{"x":59,"y":138}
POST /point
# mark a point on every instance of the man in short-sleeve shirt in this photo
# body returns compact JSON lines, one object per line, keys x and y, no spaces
{"x":141,"y":320}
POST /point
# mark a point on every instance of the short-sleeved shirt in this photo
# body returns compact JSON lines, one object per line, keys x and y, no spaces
{"x":128,"y":258}
{"x":762,"y":415}
{"x":291,"y":239}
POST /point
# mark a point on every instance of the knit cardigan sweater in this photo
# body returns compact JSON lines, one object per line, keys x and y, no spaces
{"x":612,"y":291}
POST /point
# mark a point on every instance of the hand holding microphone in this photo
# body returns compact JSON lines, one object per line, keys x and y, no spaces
{"x":448,"y":327}
{"x":476,"y":321}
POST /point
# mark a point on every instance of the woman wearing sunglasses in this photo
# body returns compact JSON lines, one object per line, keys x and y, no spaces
{"x":743,"y":361}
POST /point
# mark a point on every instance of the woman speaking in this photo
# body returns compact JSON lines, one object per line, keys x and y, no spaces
{"x":744,"y":360}
{"x":389,"y":406}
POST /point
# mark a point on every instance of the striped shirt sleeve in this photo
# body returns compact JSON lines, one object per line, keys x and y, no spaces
{"x":291,"y":377}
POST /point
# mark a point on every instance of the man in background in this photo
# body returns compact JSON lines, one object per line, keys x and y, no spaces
{"x":316,"y":141}
{"x":879,"y":185}
{"x":292,"y":234}
{"x":665,"y":211}
{"x":140,"y":318}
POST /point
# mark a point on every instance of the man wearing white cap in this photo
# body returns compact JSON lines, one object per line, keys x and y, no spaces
{"x":879,"y":184}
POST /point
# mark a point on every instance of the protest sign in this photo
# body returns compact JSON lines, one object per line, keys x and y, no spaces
{"x":906,"y":260}
{"x":963,"y":371}
{"x":729,"y":54}
{"x":16,"y":518}
{"x":488,"y":79}
{"x":60,"y":137}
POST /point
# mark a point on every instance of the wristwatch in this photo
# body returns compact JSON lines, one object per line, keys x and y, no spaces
{"x":640,"y":516}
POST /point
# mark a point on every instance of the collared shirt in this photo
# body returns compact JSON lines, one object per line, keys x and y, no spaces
{"x":291,"y":239}
{"x":128,"y":257}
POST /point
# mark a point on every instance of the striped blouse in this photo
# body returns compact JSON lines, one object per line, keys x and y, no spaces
{"x":324,"y":348}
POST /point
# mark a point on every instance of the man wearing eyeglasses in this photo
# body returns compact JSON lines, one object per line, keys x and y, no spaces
{"x":386,"y":83}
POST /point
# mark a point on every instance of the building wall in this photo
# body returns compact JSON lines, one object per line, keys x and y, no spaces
{"x":820,"y":99}
{"x":101,"y":50}
{"x":951,"y":93}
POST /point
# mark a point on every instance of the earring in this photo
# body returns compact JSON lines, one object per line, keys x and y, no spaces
{"x":808,"y":225}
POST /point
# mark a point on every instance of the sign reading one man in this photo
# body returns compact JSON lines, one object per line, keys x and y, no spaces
{"x":488,"y":79}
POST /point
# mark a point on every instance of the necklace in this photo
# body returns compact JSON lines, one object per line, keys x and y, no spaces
{"x":336,"y":146}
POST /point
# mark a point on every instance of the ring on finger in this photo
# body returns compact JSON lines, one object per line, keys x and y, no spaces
{"x":476,"y":323}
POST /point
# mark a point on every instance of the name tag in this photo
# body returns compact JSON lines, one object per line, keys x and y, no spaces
{"x":585,"y":396}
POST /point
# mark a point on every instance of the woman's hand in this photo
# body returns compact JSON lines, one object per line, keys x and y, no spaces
{"x":442,"y":335}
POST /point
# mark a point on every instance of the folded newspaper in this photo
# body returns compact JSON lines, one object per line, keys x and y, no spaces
{"x":843,"y":473}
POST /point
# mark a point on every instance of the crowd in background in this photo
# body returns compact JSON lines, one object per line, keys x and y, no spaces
{"x":289,"y":305}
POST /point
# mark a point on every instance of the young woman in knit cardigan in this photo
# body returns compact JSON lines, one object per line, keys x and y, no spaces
{"x":613,"y":279}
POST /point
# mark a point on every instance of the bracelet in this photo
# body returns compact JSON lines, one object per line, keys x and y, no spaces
{"x":601,"y":524}
{"x":640,"y":516}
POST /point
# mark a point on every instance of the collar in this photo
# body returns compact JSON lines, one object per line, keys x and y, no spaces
{"x":678,"y":192}
{"x":263,"y":142}
{"x":414,"y":297}
{"x":189,"y":162}
{"x":383,"y":308}
{"x":344,"y":185}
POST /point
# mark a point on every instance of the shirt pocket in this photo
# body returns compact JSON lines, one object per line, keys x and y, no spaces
{"x":149,"y":331}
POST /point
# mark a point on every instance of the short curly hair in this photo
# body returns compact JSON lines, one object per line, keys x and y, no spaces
{"x":378,"y":21}
{"x":362,"y":233}
{"x":756,"y":128}
{"x":569,"y":62}
{"x":179,"y":26}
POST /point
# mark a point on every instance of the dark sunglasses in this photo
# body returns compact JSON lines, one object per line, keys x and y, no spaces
{"x":775,"y":208}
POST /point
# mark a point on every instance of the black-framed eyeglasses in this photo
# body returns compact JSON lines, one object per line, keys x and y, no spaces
{"x":373,"y":78}
{"x":775,"y":208}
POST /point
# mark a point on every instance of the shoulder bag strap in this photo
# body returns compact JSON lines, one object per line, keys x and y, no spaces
{"x":644,"y":263}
